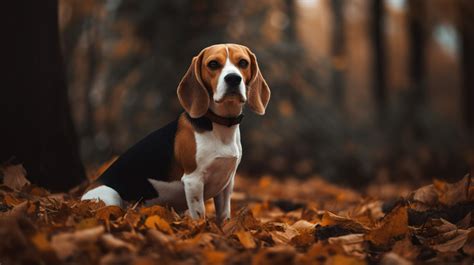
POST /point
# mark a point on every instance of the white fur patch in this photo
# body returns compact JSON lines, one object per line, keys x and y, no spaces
{"x":218,"y":153}
{"x":104,"y":193}
{"x":229,"y":68}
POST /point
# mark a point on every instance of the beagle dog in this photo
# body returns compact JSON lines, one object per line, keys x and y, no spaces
{"x":195,"y":157}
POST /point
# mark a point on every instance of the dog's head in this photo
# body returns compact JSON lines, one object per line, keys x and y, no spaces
{"x":223,"y":78}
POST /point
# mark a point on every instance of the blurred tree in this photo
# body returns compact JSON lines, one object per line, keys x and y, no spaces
{"x":416,"y":15}
{"x":417,"y":38}
{"x":338,"y":44}
{"x":377,"y":32}
{"x":39,"y":131}
{"x":290,"y":30}
{"x":466,"y":29}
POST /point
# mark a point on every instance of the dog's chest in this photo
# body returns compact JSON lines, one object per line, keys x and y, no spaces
{"x":218,"y":154}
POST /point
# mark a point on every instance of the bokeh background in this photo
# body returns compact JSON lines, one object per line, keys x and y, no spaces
{"x":362,"y":90}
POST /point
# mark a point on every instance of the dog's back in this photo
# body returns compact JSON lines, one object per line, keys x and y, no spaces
{"x":152,"y":157}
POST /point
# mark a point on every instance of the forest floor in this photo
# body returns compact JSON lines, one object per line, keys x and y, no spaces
{"x":274,"y":222}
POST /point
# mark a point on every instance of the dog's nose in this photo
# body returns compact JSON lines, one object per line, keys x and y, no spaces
{"x":233,"y":79}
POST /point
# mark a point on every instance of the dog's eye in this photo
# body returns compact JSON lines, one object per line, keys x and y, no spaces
{"x":213,"y":65}
{"x":243,"y":63}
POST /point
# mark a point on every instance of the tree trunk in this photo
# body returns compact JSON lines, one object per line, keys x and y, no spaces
{"x":417,"y":39}
{"x":290,"y":29}
{"x":466,"y":29}
{"x":379,"y":87}
{"x":338,"y":43}
{"x":37,"y":129}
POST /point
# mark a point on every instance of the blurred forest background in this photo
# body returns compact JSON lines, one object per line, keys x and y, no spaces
{"x":361,"y":89}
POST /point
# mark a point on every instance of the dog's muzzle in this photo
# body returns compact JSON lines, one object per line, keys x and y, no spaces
{"x":233,"y":82}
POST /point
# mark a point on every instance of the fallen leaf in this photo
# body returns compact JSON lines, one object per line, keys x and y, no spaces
{"x":454,"y":244}
{"x":426,"y":195}
{"x":66,"y":244}
{"x":14,"y":176}
{"x":243,"y":220}
{"x":108,"y":213}
{"x":452,"y":193}
{"x":352,"y":244}
{"x":394,"y":224}
{"x":160,"y":211}
{"x":394,"y":259}
{"x":303,"y":226}
{"x":246,"y":239}
{"x":156,"y":222}
{"x":113,"y":243}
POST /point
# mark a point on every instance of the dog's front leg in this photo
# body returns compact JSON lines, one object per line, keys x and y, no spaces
{"x":194,"y":191}
{"x":222,"y":202}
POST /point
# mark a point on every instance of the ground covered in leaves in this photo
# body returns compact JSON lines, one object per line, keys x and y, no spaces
{"x":274,"y":222}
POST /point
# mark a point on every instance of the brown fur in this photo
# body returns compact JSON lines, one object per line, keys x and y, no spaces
{"x":184,"y":149}
{"x":257,"y":89}
{"x":192,"y":94}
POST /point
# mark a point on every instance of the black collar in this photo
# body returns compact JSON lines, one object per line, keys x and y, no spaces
{"x":204,"y":123}
{"x":226,"y":121}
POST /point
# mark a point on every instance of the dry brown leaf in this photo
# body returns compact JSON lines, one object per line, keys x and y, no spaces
{"x":87,"y":223}
{"x":452,"y":193}
{"x":14,"y":176}
{"x":108,"y":213}
{"x":113,"y":243}
{"x":303,"y":226}
{"x":160,"y":211}
{"x":283,"y":234}
{"x":394,"y":224}
{"x":243,"y":220}
{"x":406,"y":249}
{"x":394,"y":259}
{"x":468,"y":247}
{"x":303,"y":240}
{"x":160,"y":238}
{"x":426,"y":195}
{"x":352,"y":244}
{"x":246,"y":239}
{"x":66,"y":244}
{"x":442,"y":235}
{"x":156,"y":222}
{"x":453,"y":244}
{"x":200,"y":241}
{"x":12,"y":200}
{"x":367,"y":213}
{"x":345,"y":222}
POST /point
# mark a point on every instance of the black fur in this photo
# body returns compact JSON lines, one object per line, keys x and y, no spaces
{"x":149,"y":158}
{"x":200,"y":124}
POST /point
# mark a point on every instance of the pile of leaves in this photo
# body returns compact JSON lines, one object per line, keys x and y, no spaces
{"x":274,"y":222}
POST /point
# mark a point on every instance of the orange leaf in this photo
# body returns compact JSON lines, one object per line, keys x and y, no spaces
{"x":246,"y":239}
{"x":156,"y":222}
{"x":109,"y":212}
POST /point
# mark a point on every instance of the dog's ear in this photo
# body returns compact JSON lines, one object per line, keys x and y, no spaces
{"x":258,"y":92}
{"x":192,"y":93}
